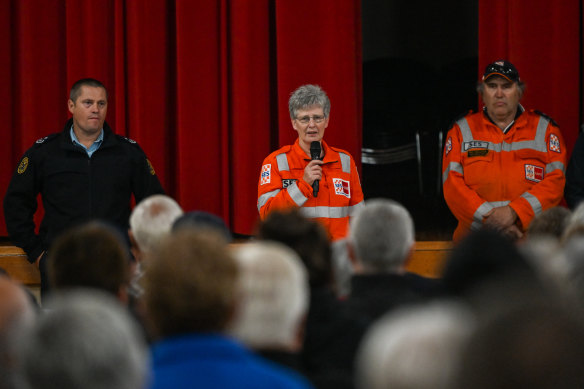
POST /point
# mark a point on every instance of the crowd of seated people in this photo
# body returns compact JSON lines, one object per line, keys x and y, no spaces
{"x":288,"y":309}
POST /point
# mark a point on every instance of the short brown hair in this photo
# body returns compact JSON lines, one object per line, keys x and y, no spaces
{"x":93,"y":256}
{"x":305,"y":236}
{"x":190,"y":284}
{"x":76,"y":88}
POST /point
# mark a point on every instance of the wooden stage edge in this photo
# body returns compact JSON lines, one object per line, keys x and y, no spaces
{"x":427,"y":260}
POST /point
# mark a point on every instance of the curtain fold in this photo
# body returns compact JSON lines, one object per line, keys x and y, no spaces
{"x":543,"y":39}
{"x":201,"y":85}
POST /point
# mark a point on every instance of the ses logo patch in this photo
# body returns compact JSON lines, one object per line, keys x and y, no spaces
{"x":266,"y":177}
{"x":534,"y":173}
{"x":555,"y":143}
{"x":342,"y":187}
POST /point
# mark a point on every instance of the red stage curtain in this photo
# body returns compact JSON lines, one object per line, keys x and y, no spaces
{"x":542,"y":38}
{"x":201,"y":85}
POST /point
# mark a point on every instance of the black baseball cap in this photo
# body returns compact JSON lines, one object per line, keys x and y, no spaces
{"x":501,"y":68}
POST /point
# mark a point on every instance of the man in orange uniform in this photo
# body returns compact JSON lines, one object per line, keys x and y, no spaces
{"x":327,"y":187}
{"x":502,"y":166}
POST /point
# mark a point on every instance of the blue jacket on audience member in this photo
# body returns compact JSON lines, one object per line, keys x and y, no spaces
{"x":217,"y":362}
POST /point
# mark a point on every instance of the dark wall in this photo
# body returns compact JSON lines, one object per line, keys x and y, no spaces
{"x":419,"y":74}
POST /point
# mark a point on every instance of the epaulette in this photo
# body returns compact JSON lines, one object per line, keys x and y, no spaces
{"x":45,"y":139}
{"x":338,"y":150}
{"x":132,"y":141}
{"x":548,"y":117}
{"x":283,"y":150}
{"x":462,"y":115}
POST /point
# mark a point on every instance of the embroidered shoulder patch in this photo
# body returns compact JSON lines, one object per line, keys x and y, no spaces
{"x":287,"y":182}
{"x":448,"y":147}
{"x":42,"y":140}
{"x":534,"y":173}
{"x":150,"y":167}
{"x":342,"y":187}
{"x":555,"y":143}
{"x":266,"y":175}
{"x":129,"y":140}
{"x":23,"y":165}
{"x":476,"y":144}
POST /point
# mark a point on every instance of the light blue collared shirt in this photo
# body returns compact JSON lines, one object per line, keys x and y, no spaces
{"x":93,"y":148}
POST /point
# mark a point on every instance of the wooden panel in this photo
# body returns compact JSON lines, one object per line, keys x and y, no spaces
{"x":429,"y":258}
{"x":14,"y":261}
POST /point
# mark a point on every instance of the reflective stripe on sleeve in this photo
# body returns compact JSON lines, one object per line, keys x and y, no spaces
{"x":325,"y":212}
{"x":282,"y":162}
{"x":296,"y":195}
{"x":345,"y":163}
{"x":481,"y":211}
{"x":496,"y":204}
{"x":263,"y":199}
{"x":533,"y":201}
{"x":356,"y":207}
{"x":550,"y":167}
{"x":452,"y":166}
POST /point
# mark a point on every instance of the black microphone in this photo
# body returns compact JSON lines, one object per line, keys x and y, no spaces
{"x":315,"y":154}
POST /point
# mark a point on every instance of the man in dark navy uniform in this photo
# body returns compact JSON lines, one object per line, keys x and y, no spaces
{"x":85,"y":172}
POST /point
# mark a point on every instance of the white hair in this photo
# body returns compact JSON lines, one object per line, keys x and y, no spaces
{"x":416,"y":347}
{"x":151,"y":221}
{"x":273,"y":292}
{"x":84,"y":340}
{"x":382,"y":235}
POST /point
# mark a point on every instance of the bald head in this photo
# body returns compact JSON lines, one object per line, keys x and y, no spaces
{"x":15,"y":304}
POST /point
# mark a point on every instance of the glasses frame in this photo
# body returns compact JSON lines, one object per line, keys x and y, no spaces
{"x":316,"y":118}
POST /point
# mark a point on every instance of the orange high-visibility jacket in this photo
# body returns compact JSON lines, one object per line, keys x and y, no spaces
{"x":483,"y":168}
{"x":281,"y":186}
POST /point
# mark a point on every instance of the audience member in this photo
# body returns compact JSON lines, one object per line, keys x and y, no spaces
{"x":273,"y":290}
{"x":414,"y":347}
{"x":568,"y":273}
{"x":325,"y":324}
{"x":190,"y":297}
{"x":482,"y":257}
{"x":533,"y":345}
{"x":85,"y":340}
{"x":307,"y":238}
{"x":575,"y":226}
{"x":380,"y":241}
{"x":342,"y":268}
{"x":203,"y":220}
{"x":93,"y":255}
{"x":552,"y":222}
{"x":151,"y":220}
{"x":16,"y":313}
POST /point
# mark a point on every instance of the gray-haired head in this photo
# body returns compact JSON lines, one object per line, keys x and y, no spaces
{"x":273,"y":288}
{"x":308,"y":96}
{"x":414,"y":347}
{"x":85,"y":340}
{"x":152,"y":219}
{"x":382,"y":235}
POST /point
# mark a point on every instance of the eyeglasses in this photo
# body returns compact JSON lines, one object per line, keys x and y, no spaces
{"x":306,"y":119}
